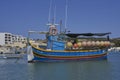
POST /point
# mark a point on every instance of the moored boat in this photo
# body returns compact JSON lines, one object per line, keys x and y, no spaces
{"x":63,"y":46}
{"x":69,"y":46}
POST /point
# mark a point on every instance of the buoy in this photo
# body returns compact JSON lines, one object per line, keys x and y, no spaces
{"x":79,"y":44}
{"x":97,"y":43}
{"x":84,"y":44}
{"x":53,"y":30}
{"x":107,"y":43}
{"x":89,"y":43}
{"x":93,"y":43}
{"x":102,"y":43}
{"x":75,"y":45}
{"x":69,"y":44}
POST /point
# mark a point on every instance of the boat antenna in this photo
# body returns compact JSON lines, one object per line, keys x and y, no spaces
{"x":60,"y":26}
{"x":66,"y":15}
{"x":49,"y":11}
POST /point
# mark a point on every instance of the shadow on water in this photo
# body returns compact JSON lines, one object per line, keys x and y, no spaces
{"x":76,"y":70}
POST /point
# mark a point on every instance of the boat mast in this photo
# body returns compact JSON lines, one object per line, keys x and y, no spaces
{"x":54,"y":18}
{"x":60,"y":26}
{"x":52,"y":22}
{"x":49,"y":12}
{"x":66,"y":15}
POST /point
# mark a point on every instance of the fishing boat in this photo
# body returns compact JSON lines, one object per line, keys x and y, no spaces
{"x":66,"y":46}
{"x":69,"y":46}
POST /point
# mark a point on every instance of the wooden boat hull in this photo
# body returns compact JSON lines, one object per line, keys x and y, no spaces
{"x":49,"y":55}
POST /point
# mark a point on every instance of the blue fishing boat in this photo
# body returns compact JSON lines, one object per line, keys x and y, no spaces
{"x":66,"y":46}
{"x":69,"y":46}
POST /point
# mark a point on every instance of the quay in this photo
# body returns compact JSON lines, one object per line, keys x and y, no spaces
{"x":10,"y":56}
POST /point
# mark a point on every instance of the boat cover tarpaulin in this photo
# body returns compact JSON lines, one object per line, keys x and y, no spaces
{"x":74,"y":35}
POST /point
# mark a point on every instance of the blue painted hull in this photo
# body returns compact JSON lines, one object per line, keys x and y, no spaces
{"x":50,"y":56}
{"x":37,"y":59}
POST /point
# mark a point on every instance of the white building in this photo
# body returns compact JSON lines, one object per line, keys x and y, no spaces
{"x":5,"y":38}
{"x":8,"y":38}
{"x":18,"y":38}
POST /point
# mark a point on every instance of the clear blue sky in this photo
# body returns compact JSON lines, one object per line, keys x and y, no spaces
{"x":19,"y":16}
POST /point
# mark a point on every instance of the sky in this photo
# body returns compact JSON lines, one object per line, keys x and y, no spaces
{"x":97,"y":16}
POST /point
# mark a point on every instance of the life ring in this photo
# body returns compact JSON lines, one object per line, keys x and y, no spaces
{"x":53,"y":30}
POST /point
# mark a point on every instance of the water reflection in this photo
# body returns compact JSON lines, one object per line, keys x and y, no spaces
{"x":82,"y":70}
{"x":12,"y":69}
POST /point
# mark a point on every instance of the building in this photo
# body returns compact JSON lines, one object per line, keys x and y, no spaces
{"x":19,"y":38}
{"x":9,"y":38}
{"x":5,"y":38}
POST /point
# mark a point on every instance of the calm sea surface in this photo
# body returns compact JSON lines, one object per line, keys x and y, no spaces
{"x":19,"y":69}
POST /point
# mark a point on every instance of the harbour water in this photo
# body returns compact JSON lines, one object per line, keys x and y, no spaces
{"x":19,"y":69}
